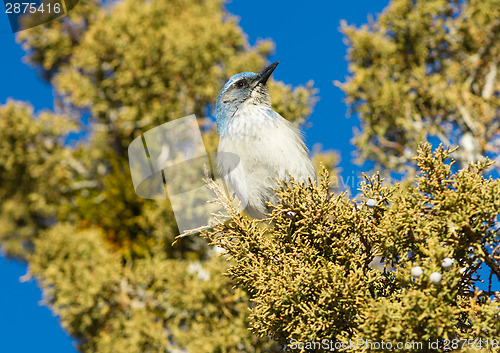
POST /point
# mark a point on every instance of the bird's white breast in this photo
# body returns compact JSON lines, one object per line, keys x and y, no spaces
{"x":268,"y":147}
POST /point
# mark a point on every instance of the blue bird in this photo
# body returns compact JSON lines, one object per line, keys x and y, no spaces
{"x":268,"y":146}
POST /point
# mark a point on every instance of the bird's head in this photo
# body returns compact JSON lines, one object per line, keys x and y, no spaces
{"x":242,"y":88}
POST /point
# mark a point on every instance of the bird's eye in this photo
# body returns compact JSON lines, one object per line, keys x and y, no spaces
{"x":240,"y":84}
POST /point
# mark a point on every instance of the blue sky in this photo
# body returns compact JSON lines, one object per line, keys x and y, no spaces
{"x":308,"y":46}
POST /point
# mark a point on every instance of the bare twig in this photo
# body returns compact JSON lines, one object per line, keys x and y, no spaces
{"x":489,"y":41}
{"x":490,"y":81}
{"x":488,"y":260}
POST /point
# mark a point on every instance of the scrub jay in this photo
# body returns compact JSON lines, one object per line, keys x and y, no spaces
{"x":268,"y":146}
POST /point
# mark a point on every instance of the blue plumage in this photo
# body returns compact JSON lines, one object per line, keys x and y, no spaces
{"x":268,"y":146}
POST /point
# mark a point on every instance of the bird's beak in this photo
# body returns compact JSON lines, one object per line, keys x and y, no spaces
{"x":264,"y":75}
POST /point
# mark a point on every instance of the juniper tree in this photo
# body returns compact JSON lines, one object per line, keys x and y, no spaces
{"x":426,"y":70}
{"x":34,"y":172}
{"x":103,"y":255}
{"x":311,"y":278}
{"x":127,"y":69}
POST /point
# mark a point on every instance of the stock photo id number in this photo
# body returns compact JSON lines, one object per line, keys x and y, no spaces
{"x":24,"y":14}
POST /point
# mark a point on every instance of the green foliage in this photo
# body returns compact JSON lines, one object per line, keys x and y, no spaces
{"x":33,"y":174}
{"x":51,"y":46}
{"x":311,"y":274}
{"x":104,"y":256}
{"x":426,"y":69}
{"x":131,"y":70}
{"x":146,"y":305}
